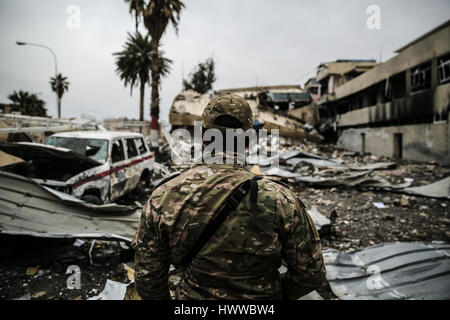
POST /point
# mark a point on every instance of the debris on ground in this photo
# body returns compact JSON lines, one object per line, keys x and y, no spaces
{"x":27,"y":208}
{"x":439,"y":189}
{"x":322,"y":223}
{"x":391,"y":271}
{"x":113,"y":290}
{"x":357,"y":201}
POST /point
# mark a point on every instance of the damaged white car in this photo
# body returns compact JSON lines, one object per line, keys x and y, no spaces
{"x":95,"y":166}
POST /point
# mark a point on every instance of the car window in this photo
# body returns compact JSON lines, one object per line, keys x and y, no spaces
{"x":96,"y":149}
{"x":140,"y":144}
{"x":117,"y":153}
{"x":131,"y":148}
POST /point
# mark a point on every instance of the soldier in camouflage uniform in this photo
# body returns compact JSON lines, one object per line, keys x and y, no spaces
{"x":242,"y":258}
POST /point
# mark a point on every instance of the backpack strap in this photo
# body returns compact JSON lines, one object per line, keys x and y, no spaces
{"x":254,"y":195}
{"x":231,"y":203}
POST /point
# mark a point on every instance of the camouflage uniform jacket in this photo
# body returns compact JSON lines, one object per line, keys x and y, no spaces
{"x":242,"y":258}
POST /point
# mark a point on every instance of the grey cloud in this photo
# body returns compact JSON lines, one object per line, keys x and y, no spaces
{"x":253,"y":41}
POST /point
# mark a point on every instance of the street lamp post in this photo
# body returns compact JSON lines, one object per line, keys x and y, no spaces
{"x":21,"y":43}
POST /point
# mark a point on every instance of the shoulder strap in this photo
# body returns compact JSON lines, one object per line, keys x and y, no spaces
{"x":231,"y":204}
{"x":165,"y":179}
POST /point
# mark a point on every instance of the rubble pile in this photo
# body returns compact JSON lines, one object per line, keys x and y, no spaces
{"x":270,"y":106}
{"x":37,"y":268}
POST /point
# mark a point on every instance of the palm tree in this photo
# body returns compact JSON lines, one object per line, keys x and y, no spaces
{"x":134,"y":64}
{"x":156,"y":15}
{"x":28,"y":103}
{"x":59,"y":85}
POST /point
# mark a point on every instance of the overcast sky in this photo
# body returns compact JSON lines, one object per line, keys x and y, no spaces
{"x":262,"y":42}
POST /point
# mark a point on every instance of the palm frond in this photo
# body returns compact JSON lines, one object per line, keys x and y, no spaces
{"x":133,"y":63}
{"x":59,"y":84}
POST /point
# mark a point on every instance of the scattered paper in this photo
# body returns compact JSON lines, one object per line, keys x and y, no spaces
{"x":380,"y":205}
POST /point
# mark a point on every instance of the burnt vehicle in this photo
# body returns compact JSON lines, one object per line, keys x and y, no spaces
{"x":95,"y":166}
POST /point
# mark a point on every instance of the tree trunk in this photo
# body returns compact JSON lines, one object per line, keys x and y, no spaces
{"x":154,"y":108}
{"x":59,"y":108}
{"x":141,"y":104}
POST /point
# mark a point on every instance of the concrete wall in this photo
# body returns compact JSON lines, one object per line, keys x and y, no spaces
{"x":421,"y":104}
{"x":442,"y":98}
{"x":424,"y":142}
{"x":434,"y":45}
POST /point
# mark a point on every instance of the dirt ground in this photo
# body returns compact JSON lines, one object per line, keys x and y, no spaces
{"x":32,"y":268}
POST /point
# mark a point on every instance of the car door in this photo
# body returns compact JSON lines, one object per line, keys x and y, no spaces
{"x":146,"y":162}
{"x":118,"y":169}
{"x":133,"y":173}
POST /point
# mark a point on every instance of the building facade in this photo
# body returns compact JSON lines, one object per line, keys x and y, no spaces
{"x":399,"y":108}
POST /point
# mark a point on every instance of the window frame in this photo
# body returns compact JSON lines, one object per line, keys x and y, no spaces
{"x":143,"y":144}
{"x":123,"y":151}
{"x":128,"y":149}
{"x":443,"y":66}
{"x":421,"y":77}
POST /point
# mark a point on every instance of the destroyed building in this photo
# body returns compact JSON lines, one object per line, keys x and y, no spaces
{"x":278,"y":98}
{"x":398,"y":108}
{"x":309,"y":113}
{"x":312,"y":86}
{"x":187,"y":107}
{"x":270,"y":106}
{"x":332,"y":75}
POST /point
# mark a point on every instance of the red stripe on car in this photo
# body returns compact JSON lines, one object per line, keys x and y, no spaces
{"x":109,"y":172}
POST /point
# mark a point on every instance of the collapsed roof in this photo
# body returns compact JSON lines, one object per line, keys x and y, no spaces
{"x":269,"y":107}
{"x":342,"y":67}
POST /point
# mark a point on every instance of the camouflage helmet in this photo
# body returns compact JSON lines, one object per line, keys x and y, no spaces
{"x":227,"y":111}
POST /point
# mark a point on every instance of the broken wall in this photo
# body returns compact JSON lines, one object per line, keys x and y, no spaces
{"x":308,"y":113}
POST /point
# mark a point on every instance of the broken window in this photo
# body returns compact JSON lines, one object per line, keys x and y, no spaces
{"x":444,"y":69}
{"x":372,"y":99}
{"x":131,"y":149}
{"x":314,"y":90}
{"x":421,"y":77}
{"x":95,"y":149}
{"x":398,"y":86}
{"x":324,"y":87}
{"x":140,"y":144}
{"x":117,"y":153}
{"x":440,"y":117}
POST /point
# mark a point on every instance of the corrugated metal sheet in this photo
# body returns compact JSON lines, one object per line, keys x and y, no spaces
{"x":414,"y":271}
{"x":27,"y":208}
{"x":439,"y":189}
